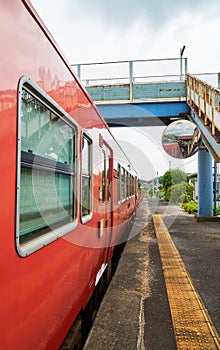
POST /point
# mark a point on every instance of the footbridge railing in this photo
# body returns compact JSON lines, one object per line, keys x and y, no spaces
{"x":133,"y":71}
{"x":204,"y":100}
{"x":134,"y":81}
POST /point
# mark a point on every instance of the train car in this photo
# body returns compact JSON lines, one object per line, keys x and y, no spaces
{"x":67,"y":189}
{"x":173,"y":149}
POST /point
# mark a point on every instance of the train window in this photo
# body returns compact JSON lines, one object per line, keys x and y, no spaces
{"x":127,"y":184}
{"x":86,"y":194}
{"x":46,"y":207}
{"x":103,"y":177}
{"x":106,"y":174}
{"x":132,"y":186}
{"x":119,"y":183}
{"x":123,"y":184}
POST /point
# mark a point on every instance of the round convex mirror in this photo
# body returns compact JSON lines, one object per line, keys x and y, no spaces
{"x":181,"y":139}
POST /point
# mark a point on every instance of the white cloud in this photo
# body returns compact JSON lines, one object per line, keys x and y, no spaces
{"x":124,"y":13}
{"x":97,"y":30}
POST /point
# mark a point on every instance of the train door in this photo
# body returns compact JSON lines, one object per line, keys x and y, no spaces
{"x":107,"y":172}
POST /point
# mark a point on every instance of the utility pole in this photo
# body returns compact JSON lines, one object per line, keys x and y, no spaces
{"x":181,"y":61}
{"x":157,"y":186}
{"x":153,"y":188}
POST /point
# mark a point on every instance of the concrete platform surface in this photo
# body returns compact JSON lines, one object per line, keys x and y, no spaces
{"x":135,"y":312}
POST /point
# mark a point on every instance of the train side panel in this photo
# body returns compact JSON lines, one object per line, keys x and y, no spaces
{"x":44,"y":292}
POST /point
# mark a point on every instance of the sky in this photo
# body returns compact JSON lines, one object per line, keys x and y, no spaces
{"x":102,"y":31}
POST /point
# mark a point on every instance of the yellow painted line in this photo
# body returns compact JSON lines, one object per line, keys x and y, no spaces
{"x":192,"y":325}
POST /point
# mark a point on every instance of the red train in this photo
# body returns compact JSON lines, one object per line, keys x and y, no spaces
{"x":67,"y":189}
{"x":173,"y":149}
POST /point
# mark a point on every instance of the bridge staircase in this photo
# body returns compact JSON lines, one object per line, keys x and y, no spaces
{"x":204,"y":102}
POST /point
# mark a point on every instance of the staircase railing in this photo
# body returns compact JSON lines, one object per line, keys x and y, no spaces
{"x":204,"y":100}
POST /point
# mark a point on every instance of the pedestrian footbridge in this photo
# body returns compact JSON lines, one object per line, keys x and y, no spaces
{"x":128,"y":94}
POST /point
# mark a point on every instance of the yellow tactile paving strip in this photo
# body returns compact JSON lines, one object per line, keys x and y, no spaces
{"x":192,"y":325}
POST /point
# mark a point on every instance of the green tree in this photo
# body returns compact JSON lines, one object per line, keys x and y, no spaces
{"x":173,"y":177}
{"x":179,"y":193}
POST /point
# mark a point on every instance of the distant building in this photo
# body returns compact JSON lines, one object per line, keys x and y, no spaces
{"x":193,"y":180}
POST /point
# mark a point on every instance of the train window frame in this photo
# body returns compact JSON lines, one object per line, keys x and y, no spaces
{"x":123,"y":184}
{"x":127,"y":184}
{"x":119,"y":184}
{"x":41,"y":164}
{"x":87,"y":217}
{"x":103,"y":162}
{"x":132,"y":186}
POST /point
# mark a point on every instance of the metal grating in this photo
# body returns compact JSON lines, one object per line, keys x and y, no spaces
{"x":192,"y":325}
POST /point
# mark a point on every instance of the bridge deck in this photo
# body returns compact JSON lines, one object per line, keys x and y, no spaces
{"x":137,"y":92}
{"x":134,"y":100}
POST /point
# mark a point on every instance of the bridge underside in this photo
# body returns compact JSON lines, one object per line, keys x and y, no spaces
{"x":143,"y":114}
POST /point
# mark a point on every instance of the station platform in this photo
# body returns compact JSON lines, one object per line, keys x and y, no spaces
{"x":165,"y":292}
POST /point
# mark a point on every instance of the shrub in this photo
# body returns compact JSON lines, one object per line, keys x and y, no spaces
{"x":191,"y":207}
{"x":179,"y":193}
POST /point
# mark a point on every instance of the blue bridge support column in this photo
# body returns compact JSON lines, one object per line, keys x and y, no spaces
{"x":205,"y":183}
